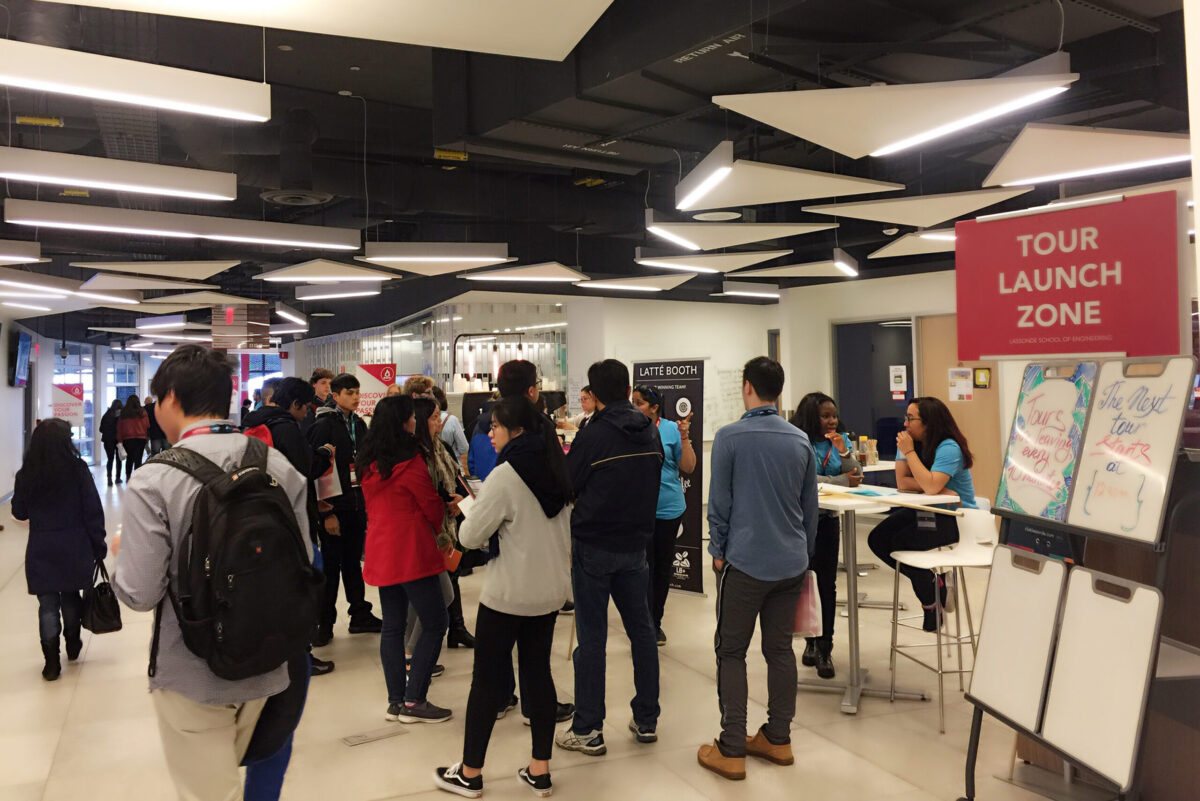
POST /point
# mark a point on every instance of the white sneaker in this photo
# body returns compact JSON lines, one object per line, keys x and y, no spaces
{"x":590,"y":743}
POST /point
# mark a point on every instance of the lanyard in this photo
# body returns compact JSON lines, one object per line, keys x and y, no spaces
{"x":353,"y":434}
{"x":761,"y":411}
{"x":217,"y":428}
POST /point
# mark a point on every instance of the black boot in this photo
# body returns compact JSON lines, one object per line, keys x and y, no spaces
{"x":53,"y":668}
{"x":74,"y":644}
{"x":825,"y":660}
{"x":457,"y":634}
{"x":811,"y":653}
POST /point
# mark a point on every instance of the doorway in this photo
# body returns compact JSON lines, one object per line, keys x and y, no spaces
{"x":865,"y":354}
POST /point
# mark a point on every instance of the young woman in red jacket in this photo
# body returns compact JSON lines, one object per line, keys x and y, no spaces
{"x":401,"y":558}
{"x":133,"y":429}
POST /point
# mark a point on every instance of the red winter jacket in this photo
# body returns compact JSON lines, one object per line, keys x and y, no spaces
{"x":403,"y":515}
{"x":133,"y":427}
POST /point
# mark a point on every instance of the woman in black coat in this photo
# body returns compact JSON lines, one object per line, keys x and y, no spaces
{"x":108,"y":438}
{"x":54,"y":492}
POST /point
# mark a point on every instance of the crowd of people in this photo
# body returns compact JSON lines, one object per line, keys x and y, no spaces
{"x":390,"y":505}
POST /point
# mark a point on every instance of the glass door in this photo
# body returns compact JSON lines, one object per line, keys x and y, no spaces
{"x":77,"y":368}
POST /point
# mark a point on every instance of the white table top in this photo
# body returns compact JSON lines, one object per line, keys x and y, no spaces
{"x":839,"y":503}
{"x":879,"y":467}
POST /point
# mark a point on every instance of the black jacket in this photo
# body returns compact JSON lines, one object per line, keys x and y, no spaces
{"x":287,"y":439}
{"x":154,"y":432}
{"x":616,"y":464}
{"x":330,"y":428}
{"x":66,"y":531}
{"x":108,"y":427}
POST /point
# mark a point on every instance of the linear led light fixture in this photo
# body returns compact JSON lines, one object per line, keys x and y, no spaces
{"x":845,"y":262}
{"x":653,"y":228}
{"x":938,"y":236}
{"x":1055,"y":206}
{"x":1084,"y":173}
{"x":15,"y":251}
{"x":143,"y":344}
{"x":28,"y":306}
{"x":104,"y":219}
{"x":291,"y":315}
{"x":32,"y":295}
{"x":973,"y":119}
{"x":326,"y":292}
{"x":68,"y":169}
{"x":165,"y":321}
{"x":679,"y":263}
{"x":288,"y":329}
{"x":398,"y":336}
{"x":138,"y":83}
{"x":539,"y":327}
{"x":468,"y":254}
{"x":621,"y":287}
{"x":705,"y":176}
{"x":749,"y":289}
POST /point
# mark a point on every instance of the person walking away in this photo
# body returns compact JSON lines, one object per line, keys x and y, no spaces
{"x":157,"y":440}
{"x":404,"y":513}
{"x":133,"y":429}
{"x":616,"y":467}
{"x":762,"y":521}
{"x":55,"y":494}
{"x":206,"y":722}
{"x":932,"y":456}
{"x":679,"y":456}
{"x":452,"y":430}
{"x":817,"y":417}
{"x":344,"y":526}
{"x":108,"y":438}
{"x":524,"y":509}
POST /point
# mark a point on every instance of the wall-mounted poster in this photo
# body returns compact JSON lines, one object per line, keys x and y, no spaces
{"x":373,"y":380}
{"x":67,"y":402}
{"x":1047,"y":433}
{"x":1129,"y":451}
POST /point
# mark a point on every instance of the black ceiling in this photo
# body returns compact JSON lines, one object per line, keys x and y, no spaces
{"x":630,"y":107}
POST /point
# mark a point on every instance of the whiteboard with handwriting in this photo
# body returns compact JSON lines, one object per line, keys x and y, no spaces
{"x":1129,"y":450}
{"x":1047,"y":433}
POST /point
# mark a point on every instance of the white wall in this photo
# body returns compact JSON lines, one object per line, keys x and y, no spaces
{"x":12,"y":412}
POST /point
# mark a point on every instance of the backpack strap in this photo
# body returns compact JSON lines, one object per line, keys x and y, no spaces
{"x":255,"y":454}
{"x":198,"y":467}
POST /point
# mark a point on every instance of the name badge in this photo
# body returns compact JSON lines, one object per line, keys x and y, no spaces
{"x":353,"y":475}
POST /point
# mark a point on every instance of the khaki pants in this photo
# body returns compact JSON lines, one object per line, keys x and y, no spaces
{"x":204,"y":745}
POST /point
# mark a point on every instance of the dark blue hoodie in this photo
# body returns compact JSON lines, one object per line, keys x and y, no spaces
{"x":481,"y":456}
{"x":615,"y":464}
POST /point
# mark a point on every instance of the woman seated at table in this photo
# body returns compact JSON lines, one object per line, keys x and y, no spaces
{"x":932,"y":457}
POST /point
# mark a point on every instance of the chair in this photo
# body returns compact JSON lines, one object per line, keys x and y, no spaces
{"x":976,"y":542}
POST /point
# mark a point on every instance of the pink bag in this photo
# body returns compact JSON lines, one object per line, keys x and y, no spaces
{"x":808,"y":610}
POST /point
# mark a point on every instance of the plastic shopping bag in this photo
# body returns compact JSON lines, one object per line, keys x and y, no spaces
{"x":808,"y":610}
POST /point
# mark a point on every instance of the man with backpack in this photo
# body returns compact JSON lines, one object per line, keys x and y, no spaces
{"x":344,"y":529}
{"x":198,"y":519}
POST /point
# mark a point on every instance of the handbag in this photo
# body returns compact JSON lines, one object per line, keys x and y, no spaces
{"x":101,"y":613}
{"x":808,"y":609}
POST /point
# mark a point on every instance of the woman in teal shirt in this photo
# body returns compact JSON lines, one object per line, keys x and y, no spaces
{"x":932,"y":457}
{"x":678,"y":456}
{"x":817,"y":416}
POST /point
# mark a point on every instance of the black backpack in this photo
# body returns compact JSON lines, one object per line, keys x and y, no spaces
{"x":248,"y":597}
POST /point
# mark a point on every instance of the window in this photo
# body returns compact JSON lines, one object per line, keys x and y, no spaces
{"x":77,"y":368}
{"x":121,"y":376}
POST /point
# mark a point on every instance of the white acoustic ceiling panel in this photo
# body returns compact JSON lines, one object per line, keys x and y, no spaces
{"x":816,"y":269}
{"x":750,"y":183}
{"x":1042,"y":153}
{"x":917,"y":244}
{"x":436,"y":258}
{"x":710,"y":236}
{"x":878,"y":120}
{"x":653,"y":283}
{"x":190,"y":270}
{"x":709,"y":262}
{"x":101,"y":281}
{"x":153,"y":307}
{"x":547,"y":29}
{"x":546,"y":272}
{"x":921,"y":211}
{"x":324,"y":271}
{"x":205,"y":298}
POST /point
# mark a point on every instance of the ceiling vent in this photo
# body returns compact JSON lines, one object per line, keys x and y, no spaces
{"x":296,"y":197}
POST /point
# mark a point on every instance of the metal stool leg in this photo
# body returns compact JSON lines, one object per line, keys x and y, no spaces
{"x":970,"y":623}
{"x":938,"y":611}
{"x":958,"y":627}
{"x":895,"y":629}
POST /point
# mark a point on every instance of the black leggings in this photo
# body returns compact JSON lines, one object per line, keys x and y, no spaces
{"x":495,"y":635}
{"x":660,"y":558}
{"x":110,"y":451}
{"x":899,"y":532}
{"x":825,"y":564}
{"x":133,"y":455}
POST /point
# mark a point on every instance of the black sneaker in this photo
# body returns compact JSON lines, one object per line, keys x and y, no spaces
{"x":562,"y":714}
{"x":324,"y":635}
{"x":568,"y":608}
{"x":512,"y":704}
{"x":320,"y":667}
{"x":540,"y":785}
{"x":643,"y":734}
{"x":423,"y":712}
{"x":437,"y":669}
{"x":660,"y":637}
{"x":452,"y":781}
{"x":365,"y":624}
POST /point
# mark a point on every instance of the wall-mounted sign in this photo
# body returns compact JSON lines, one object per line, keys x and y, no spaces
{"x":898,"y":381}
{"x":1092,"y":279}
{"x":373,"y":381}
{"x":66,"y":402}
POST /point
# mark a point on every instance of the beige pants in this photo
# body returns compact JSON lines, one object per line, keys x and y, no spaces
{"x":204,"y":745}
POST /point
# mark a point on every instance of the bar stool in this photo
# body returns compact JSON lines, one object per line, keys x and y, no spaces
{"x":976,"y":542}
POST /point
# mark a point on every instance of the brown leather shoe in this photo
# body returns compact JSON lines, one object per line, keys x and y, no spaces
{"x":709,"y":756}
{"x":759,"y":746}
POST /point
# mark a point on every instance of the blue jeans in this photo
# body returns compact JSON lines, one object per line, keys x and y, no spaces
{"x":425,"y":595}
{"x":264,"y":778}
{"x":597,"y":575}
{"x":51,"y":606}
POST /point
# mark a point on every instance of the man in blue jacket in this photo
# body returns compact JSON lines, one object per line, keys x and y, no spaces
{"x":615,"y":464}
{"x":762,"y":524}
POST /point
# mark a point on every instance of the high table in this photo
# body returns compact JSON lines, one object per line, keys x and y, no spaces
{"x":855,"y":685}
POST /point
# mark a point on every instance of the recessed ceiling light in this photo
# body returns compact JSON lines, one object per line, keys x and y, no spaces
{"x":355,"y":68}
{"x":321,"y":314}
{"x":345,"y":92}
{"x":285,"y":48}
{"x":717,"y":216}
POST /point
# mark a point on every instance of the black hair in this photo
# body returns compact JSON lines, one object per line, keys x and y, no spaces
{"x":387,"y":443}
{"x":516,"y":378}
{"x":587,"y":388}
{"x":245,"y":403}
{"x":269,"y":387}
{"x":766,"y":376}
{"x":49,"y":458}
{"x":116,"y":405}
{"x":133,"y":408}
{"x":342,"y":382}
{"x":199,"y":377}
{"x":939,"y":427}
{"x":439,"y":395}
{"x":320,"y":374}
{"x":651,"y":396}
{"x":513,"y":413}
{"x":423,"y":409}
{"x":292,"y":391}
{"x":609,"y":380}
{"x":808,"y":416}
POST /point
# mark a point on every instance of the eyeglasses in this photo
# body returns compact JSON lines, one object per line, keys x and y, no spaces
{"x":649,"y":394}
{"x":908,"y":418}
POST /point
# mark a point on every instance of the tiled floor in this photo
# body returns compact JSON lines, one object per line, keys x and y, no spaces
{"x":92,"y":735}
